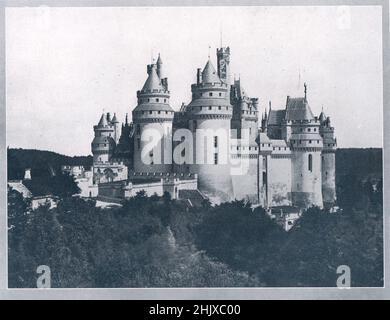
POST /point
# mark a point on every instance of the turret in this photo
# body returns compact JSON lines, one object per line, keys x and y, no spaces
{"x":153,"y":120}
{"x":160,"y":70}
{"x":103,"y":144}
{"x":306,"y":144}
{"x":209,"y":115}
{"x":223,"y":61}
{"x":244,"y":143}
{"x":328,"y":158}
{"x":115,"y":123}
{"x":264,"y":121}
{"x":245,"y":113}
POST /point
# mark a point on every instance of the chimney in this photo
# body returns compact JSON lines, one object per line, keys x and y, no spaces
{"x":164,"y":82}
{"x":149,"y":68}
{"x":199,"y":76}
{"x":27,"y":174}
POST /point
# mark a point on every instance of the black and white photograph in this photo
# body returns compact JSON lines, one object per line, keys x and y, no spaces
{"x":194,"y":146}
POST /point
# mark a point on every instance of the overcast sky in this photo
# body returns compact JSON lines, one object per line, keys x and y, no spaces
{"x":65,"y":65}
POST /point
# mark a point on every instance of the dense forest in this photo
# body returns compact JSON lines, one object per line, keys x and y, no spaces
{"x":160,"y":242}
{"x":42,"y":163}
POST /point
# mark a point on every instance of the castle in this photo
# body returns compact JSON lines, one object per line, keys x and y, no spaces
{"x":217,"y":144}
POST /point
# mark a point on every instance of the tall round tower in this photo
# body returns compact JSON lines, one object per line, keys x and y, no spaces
{"x":103,"y":144}
{"x":152,"y":120}
{"x":328,"y":161}
{"x":306,"y":144}
{"x":209,"y":115}
{"x":244,"y":146}
{"x":115,"y":124}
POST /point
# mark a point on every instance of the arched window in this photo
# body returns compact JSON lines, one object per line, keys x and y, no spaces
{"x":310,"y":163}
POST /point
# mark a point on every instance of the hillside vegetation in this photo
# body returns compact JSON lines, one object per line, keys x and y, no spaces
{"x":159,"y":242}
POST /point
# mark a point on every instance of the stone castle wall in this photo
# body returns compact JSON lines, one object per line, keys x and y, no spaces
{"x":306,"y":185}
{"x":279,"y":183}
{"x":328,"y":178}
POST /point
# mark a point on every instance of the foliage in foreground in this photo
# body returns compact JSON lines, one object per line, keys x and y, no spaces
{"x":159,"y":242}
{"x":143,"y":244}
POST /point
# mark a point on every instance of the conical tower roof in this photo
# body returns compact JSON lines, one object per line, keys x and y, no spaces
{"x":159,"y":60}
{"x":209,"y":75}
{"x":152,"y":82}
{"x":322,"y":116}
{"x":114,"y":119}
{"x":159,"y":64}
{"x":102,"y":121}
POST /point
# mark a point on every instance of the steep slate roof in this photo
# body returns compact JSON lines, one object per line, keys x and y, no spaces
{"x":322,"y":116}
{"x":263,"y":138}
{"x":152,"y":82}
{"x":298,"y":109}
{"x":114,"y":119}
{"x":102,"y":121}
{"x":279,"y":143}
{"x":159,"y":60}
{"x":209,"y":75}
{"x":276,"y":117}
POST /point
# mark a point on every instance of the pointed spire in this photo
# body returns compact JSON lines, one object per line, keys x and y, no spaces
{"x":114,"y":119}
{"x":159,"y":64}
{"x":305,"y":85}
{"x":209,"y":75}
{"x":152,"y":82}
{"x":322,"y":116}
{"x":102,"y":121}
{"x":159,"y":61}
{"x":126,"y":121}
